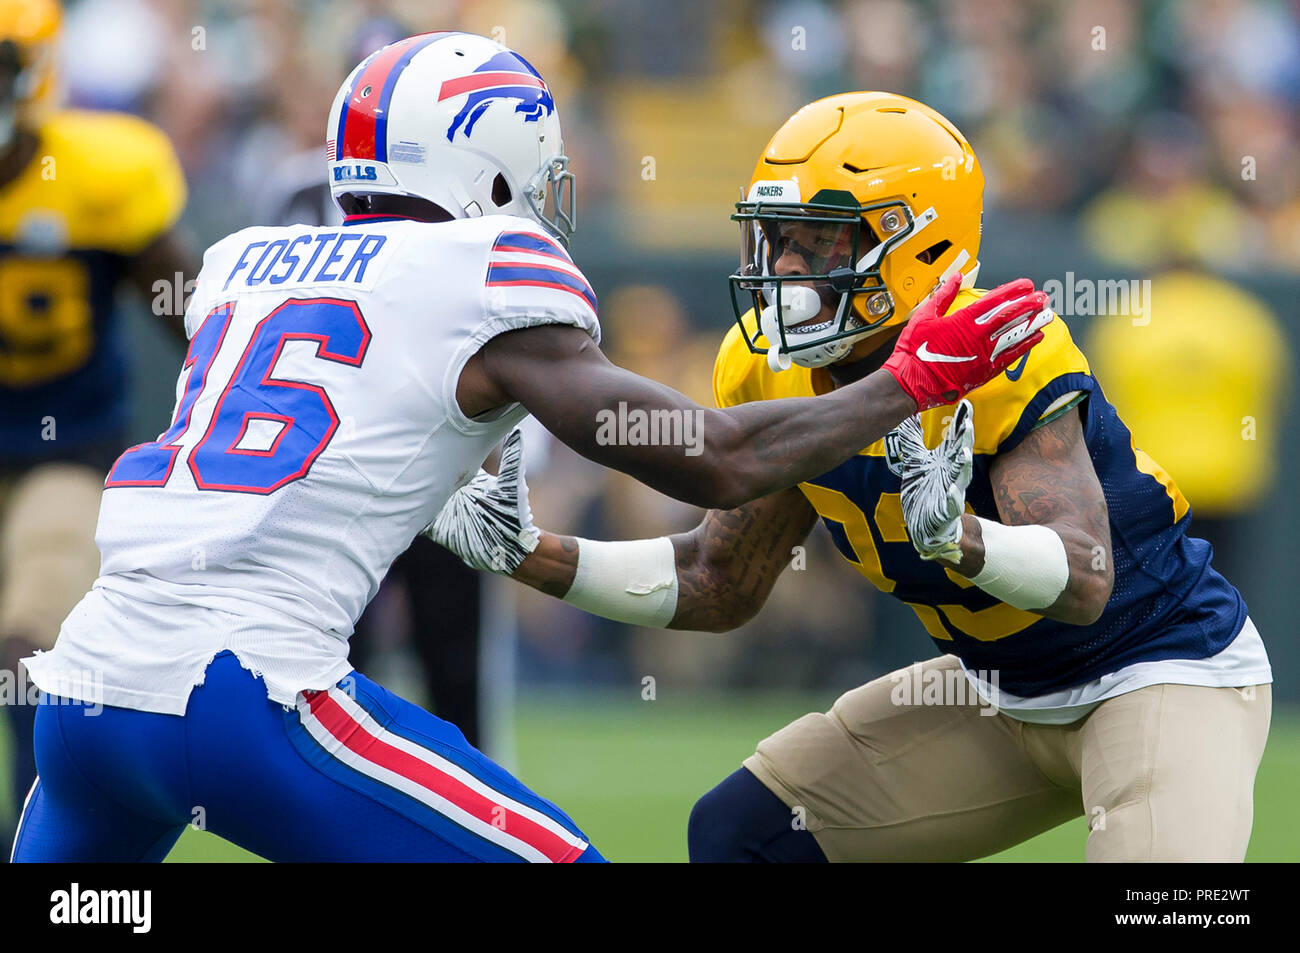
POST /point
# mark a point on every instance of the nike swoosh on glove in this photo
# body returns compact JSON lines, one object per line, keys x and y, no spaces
{"x":940,"y":358}
{"x":488,"y":522}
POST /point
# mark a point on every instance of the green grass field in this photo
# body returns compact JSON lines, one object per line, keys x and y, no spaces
{"x":628,"y":772}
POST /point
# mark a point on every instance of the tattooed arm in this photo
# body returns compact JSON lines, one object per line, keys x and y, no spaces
{"x":1049,"y":480}
{"x":726,"y":566}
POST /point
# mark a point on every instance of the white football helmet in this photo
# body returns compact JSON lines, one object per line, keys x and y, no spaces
{"x":458,"y":120}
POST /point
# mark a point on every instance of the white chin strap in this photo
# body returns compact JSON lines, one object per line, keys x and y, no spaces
{"x":464,"y":201}
{"x":968,"y":279}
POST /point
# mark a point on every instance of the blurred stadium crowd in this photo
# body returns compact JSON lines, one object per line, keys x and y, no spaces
{"x":1132,"y":114}
{"x":1151,"y":139}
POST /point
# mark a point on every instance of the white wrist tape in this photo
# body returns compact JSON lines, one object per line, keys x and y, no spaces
{"x":1024,"y":566}
{"x":629,"y":581}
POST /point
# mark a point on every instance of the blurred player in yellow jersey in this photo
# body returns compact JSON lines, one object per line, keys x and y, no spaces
{"x":87,"y":203}
{"x":1091,"y":662}
{"x":1173,"y":372}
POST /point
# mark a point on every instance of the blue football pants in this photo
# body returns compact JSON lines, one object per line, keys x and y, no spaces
{"x":353,"y":773}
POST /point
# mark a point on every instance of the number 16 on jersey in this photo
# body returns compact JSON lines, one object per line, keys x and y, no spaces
{"x":300,"y":414}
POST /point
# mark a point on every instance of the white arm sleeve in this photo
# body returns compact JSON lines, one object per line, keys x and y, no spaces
{"x":1024,"y":566}
{"x":632,"y":581}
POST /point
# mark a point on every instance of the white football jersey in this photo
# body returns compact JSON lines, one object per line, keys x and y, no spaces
{"x":316,"y":432}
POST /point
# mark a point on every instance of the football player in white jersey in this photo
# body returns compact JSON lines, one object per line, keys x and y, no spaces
{"x":341,"y":384}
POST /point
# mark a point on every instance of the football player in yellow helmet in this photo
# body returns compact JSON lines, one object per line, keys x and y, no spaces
{"x":87,"y":204}
{"x":882,"y":197}
{"x":1091,"y":661}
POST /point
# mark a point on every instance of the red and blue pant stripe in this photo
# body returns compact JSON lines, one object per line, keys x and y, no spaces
{"x":354,"y":773}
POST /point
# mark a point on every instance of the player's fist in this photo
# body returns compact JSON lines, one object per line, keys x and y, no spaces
{"x":940,"y":358}
{"x":488,"y":522}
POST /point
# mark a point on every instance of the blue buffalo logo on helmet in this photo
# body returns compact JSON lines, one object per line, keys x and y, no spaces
{"x":505,"y":76}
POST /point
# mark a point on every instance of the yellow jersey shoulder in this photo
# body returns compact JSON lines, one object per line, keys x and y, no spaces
{"x":1000,"y":404}
{"x":113,"y":179}
{"x":741,"y":376}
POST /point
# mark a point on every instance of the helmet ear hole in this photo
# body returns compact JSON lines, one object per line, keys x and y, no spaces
{"x":931,"y":254}
{"x":501,"y":194}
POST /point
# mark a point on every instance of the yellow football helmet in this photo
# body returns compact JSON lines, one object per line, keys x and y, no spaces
{"x":876,"y":198}
{"x":29,"y":33}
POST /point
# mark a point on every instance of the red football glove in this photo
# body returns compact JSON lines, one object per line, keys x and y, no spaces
{"x":940,"y":358}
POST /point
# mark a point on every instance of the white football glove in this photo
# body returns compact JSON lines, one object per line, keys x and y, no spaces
{"x":488,"y":522}
{"x":934,"y":482}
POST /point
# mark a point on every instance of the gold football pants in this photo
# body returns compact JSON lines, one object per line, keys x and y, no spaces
{"x":1164,"y":773}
